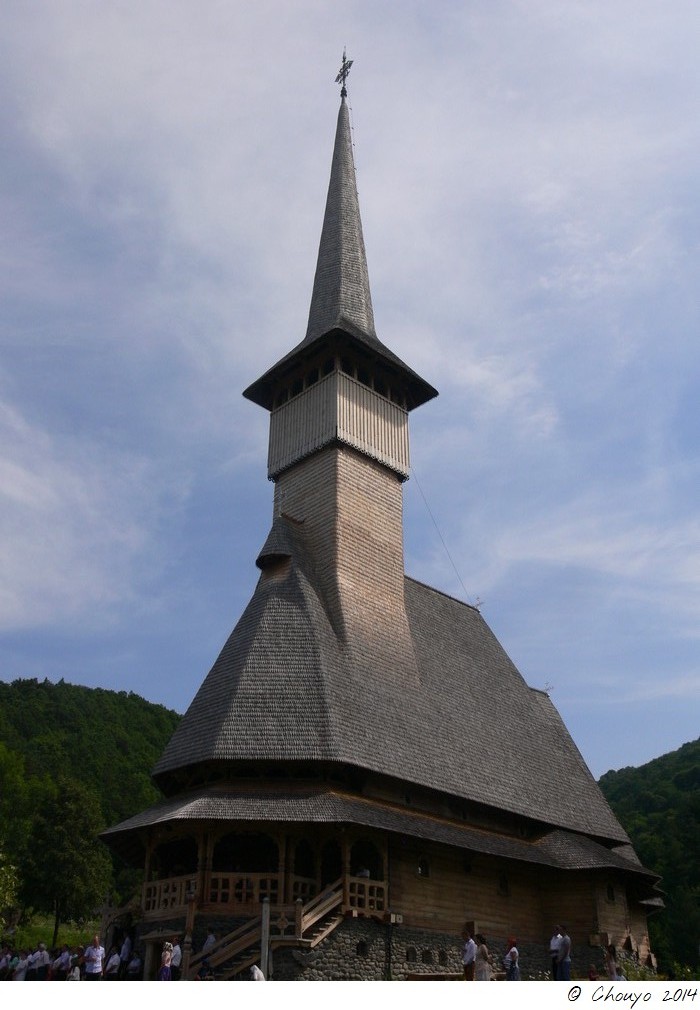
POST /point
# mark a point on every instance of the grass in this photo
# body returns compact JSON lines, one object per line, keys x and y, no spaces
{"x":40,"y":930}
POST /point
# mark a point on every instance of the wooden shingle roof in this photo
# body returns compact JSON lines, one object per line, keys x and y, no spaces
{"x":285,"y":689}
{"x":318,"y":805}
{"x":341,"y":303}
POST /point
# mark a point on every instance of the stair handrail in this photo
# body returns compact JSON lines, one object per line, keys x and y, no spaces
{"x":322,"y":904}
{"x":238,"y":939}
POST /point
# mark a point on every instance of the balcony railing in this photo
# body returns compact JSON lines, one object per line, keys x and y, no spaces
{"x":365,"y":895}
{"x":229,"y":893}
{"x":242,"y":888}
{"x":167,"y":895}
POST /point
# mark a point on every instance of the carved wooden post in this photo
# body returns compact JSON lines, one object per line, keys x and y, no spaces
{"x":282,"y":868}
{"x":346,"y":872}
{"x":299,"y":918}
{"x":265,"y":937}
{"x":189,"y":927}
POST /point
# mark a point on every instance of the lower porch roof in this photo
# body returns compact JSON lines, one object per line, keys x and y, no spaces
{"x":557,"y":848}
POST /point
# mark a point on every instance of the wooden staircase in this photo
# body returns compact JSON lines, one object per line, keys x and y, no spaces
{"x":300,"y":926}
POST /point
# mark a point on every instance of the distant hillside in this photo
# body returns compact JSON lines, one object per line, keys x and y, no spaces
{"x":658,"y":804}
{"x":107,"y":740}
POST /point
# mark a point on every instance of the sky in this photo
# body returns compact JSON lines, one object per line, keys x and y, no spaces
{"x":528,"y":182}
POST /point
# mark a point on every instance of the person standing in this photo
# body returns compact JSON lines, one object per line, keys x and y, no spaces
{"x":511,"y":961}
{"x":133,"y":969}
{"x":32,"y":965}
{"x":482,"y":961}
{"x":210,"y":941}
{"x":468,"y":955}
{"x":564,"y":957}
{"x":611,"y":962}
{"x":61,"y":966}
{"x":164,"y":972}
{"x":94,"y":960}
{"x":176,"y":959}
{"x":112,"y":966}
{"x":554,"y":951}
{"x":19,"y":973}
{"x":42,"y":961}
{"x":124,"y":955}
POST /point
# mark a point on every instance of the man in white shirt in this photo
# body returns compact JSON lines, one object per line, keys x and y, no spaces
{"x":42,"y":962}
{"x":94,"y":960}
{"x":468,"y":956}
{"x":554,"y":944}
{"x":61,"y":965}
{"x":32,"y":965}
{"x":112,"y":966}
{"x":20,"y":972}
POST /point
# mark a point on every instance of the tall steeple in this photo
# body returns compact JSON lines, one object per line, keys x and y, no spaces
{"x":341,"y":296}
{"x":339,"y":449}
{"x":340,"y":384}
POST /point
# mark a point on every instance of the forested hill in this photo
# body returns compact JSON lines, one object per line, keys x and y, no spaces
{"x":106,"y":740}
{"x":658,"y":804}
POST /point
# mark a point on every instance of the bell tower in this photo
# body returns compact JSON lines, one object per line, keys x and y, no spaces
{"x":339,"y":449}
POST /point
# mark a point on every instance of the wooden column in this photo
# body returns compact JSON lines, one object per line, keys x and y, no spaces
{"x":345,"y":853}
{"x":285,"y":893}
{"x":265,"y":939}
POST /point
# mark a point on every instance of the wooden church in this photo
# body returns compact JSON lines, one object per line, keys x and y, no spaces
{"x":343,"y":795}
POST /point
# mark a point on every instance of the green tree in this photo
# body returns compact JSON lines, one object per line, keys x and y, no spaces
{"x":8,"y":889}
{"x":65,"y":870}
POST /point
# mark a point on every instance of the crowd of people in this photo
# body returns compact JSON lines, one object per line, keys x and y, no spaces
{"x":481,"y":965}
{"x":93,"y":963}
{"x":77,"y":964}
{"x":122,"y":962}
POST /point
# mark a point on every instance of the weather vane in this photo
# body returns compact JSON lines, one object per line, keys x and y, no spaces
{"x":343,"y":75}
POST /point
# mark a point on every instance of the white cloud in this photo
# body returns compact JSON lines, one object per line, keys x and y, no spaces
{"x":76,"y":533}
{"x":528,"y":185}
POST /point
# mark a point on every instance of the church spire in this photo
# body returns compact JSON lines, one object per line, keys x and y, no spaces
{"x":341,"y":296}
{"x":340,"y":335}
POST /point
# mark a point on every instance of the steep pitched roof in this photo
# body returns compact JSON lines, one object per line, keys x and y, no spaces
{"x":341,"y":303}
{"x":284,"y":688}
{"x":341,"y":295}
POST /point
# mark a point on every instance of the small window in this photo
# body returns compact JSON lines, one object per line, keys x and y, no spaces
{"x":380,"y":386}
{"x":423,"y":867}
{"x":362,"y":949}
{"x":297,"y":387}
{"x":282,"y":397}
{"x":363,"y":376}
{"x":328,"y":366}
{"x":411,"y":955}
{"x":346,"y":366}
{"x":312,"y":377}
{"x":442,"y":958}
{"x":427,"y":957}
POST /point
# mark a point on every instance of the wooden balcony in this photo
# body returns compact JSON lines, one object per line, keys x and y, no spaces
{"x":242,"y":894}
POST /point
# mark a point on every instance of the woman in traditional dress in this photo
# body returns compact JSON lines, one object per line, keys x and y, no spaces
{"x":164,"y":973}
{"x":482,"y":966}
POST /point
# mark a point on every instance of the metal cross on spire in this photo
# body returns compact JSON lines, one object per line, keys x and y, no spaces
{"x":343,"y":75}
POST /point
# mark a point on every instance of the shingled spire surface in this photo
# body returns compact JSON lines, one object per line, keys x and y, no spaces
{"x":341,"y":297}
{"x":341,"y":303}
